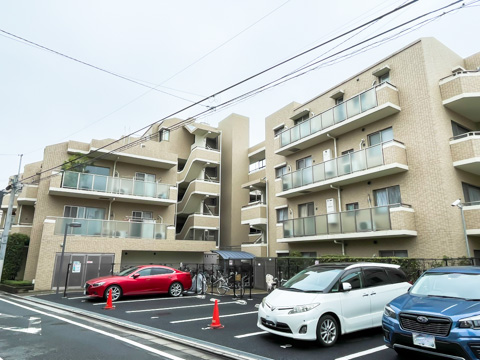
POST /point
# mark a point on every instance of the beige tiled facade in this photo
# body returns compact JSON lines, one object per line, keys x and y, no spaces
{"x":369,"y":167}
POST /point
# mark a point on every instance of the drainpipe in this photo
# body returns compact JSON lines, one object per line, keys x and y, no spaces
{"x":110,"y":208}
{"x":334,"y":144}
{"x":341,"y":242}
{"x":362,"y":143}
{"x":339,"y":197}
{"x":115,"y":166}
{"x":267,"y":202}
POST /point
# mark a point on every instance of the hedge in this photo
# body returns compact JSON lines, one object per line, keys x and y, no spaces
{"x":14,"y":255}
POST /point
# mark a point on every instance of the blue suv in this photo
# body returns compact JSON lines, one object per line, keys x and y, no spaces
{"x":440,"y":315}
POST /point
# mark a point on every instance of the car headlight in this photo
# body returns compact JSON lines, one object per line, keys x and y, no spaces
{"x":303,"y":308}
{"x":97,"y":284}
{"x":470,"y":323}
{"x":389,"y":312}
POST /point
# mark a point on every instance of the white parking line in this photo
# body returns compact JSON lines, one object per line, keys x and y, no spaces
{"x":142,"y":300}
{"x":78,"y":297}
{"x":209,"y":317}
{"x":363,"y":353}
{"x":180,"y":307}
{"x":251,"y":334}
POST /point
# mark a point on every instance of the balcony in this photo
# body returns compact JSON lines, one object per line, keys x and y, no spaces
{"x":390,"y":221}
{"x":461,"y":93}
{"x":465,"y":150}
{"x":372,"y":105}
{"x":196,"y":192}
{"x":471,"y":212}
{"x":28,"y":195}
{"x":254,"y":214}
{"x":370,"y":163}
{"x":198,"y":159}
{"x":146,"y":229}
{"x":198,"y":223}
{"x":91,"y":186}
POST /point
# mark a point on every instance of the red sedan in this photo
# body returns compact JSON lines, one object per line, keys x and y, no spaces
{"x":139,"y":280}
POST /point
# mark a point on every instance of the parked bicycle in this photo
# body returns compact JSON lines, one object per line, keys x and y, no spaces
{"x":235,"y":281}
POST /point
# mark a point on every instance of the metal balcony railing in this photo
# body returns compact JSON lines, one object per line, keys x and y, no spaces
{"x":147,"y":229}
{"x":114,"y":185}
{"x":465,"y":135}
{"x":347,"y":164}
{"x":358,"y":104}
{"x":361,"y":220}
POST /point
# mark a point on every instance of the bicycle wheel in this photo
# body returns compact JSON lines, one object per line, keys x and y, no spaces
{"x":222,"y":288}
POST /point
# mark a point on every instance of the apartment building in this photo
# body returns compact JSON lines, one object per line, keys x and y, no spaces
{"x":371,"y":166}
{"x":156,"y":200}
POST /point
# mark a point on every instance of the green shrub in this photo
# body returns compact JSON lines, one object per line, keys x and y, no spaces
{"x":17,"y":282}
{"x":14,"y":255}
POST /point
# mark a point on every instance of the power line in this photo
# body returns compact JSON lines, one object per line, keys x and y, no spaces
{"x":182,"y":123}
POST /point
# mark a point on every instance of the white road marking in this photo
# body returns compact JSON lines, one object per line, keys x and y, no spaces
{"x":141,"y":300}
{"x":179,"y":307}
{"x":117,"y":337}
{"x":363,"y":353}
{"x":78,"y":297}
{"x":251,"y":334}
{"x":209,"y":317}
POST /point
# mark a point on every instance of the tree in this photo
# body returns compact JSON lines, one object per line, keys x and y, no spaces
{"x":14,"y":255}
{"x":76,"y":162}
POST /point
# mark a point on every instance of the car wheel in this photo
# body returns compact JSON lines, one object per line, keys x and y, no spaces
{"x":176,"y":289}
{"x":116,"y":292}
{"x":327,"y":330}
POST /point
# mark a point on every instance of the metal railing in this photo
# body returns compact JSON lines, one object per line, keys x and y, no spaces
{"x":347,"y":164}
{"x":114,"y":185}
{"x":356,"y":105}
{"x":465,"y":135}
{"x":352,"y":221}
{"x":112,"y":229}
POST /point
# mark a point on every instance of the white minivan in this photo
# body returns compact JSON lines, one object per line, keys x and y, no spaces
{"x":324,"y":301}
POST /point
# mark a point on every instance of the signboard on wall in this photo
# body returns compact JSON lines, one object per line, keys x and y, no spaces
{"x":76,"y":267}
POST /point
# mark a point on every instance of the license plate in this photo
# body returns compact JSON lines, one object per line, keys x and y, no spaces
{"x":423,"y":340}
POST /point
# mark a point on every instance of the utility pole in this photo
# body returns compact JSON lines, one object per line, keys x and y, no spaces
{"x":8,"y":221}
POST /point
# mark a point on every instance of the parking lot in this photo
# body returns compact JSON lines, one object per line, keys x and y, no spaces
{"x":191,"y":316}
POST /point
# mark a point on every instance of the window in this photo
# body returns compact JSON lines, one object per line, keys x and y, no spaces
{"x":255,"y":196}
{"x":396,"y":275}
{"x":351,"y":206}
{"x":97,"y":170}
{"x":305,"y":210}
{"x":253,"y":231}
{"x":380,"y":136}
{"x":142,"y":215}
{"x":278,"y":130}
{"x":301,"y":119}
{"x":458,"y":129}
{"x":471,"y":193}
{"x":387,"y":196}
{"x":354,"y":279}
{"x":309,"y":254}
{"x":393,"y":253}
{"x":81,"y":212}
{"x":375,"y":277}
{"x":339,"y":100}
{"x":161,"y":271}
{"x":347,"y":151}
{"x":145,"y":272}
{"x":257,"y":165}
{"x":305,"y":162}
{"x":280,"y":171}
{"x":282,"y":214}
{"x":164,"y":135}
{"x":144,"y":177}
{"x":384,"y":77}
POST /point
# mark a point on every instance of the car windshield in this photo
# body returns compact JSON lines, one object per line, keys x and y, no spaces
{"x":452,"y":285}
{"x":314,"y":279}
{"x":128,"y":271}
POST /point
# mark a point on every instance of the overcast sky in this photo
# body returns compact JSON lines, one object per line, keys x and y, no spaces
{"x":187,"y":50}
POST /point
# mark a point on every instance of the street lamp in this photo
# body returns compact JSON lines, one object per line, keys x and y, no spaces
{"x":75,"y":225}
{"x":458,"y":203}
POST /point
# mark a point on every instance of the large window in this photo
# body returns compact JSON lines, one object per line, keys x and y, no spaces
{"x":305,"y":162}
{"x":97,"y":170}
{"x":282,"y":214}
{"x":142,"y":215}
{"x":393,"y":253}
{"x":471,"y":193}
{"x":305,"y":210}
{"x":279,"y":171}
{"x":278,"y":130}
{"x":144,"y":177}
{"x":164,"y":135}
{"x":301,"y":119}
{"x":82,"y":212}
{"x":380,"y":136}
{"x":387,"y":196}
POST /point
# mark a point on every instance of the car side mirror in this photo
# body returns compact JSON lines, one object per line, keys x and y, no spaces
{"x":135,"y":276}
{"x":346,"y":286}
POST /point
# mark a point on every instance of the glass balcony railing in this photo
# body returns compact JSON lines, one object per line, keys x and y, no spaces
{"x":146,"y":229}
{"x":354,"y":106}
{"x":362,"y":220}
{"x":347,"y":164}
{"x":114,"y":185}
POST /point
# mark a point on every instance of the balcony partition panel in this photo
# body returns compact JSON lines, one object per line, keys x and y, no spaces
{"x":285,"y":138}
{"x":86,"y":182}
{"x":330,"y":169}
{"x":100,"y":183}
{"x":353,"y":106}
{"x":334,"y":224}
{"x":358,"y":161}
{"x":70,"y":179}
{"x":339,"y":113}
{"x":381,"y":218}
{"x":321,"y":226}
{"x":327,"y":119}
{"x":309,"y":226}
{"x":297,"y":178}
{"x":307,"y":176}
{"x":319,"y":172}
{"x":363,"y":220}
{"x":348,"y":221}
{"x":305,"y":129}
{"x":374,"y":156}
{"x":294,"y":133}
{"x":316,"y":124}
{"x":298,"y":229}
{"x":288,"y":228}
{"x":287,"y":181}
{"x":344,"y":165}
{"x":368,"y":99}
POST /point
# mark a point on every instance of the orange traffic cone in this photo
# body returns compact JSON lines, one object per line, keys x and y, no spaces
{"x":216,"y":318}
{"x":109,"y":301}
